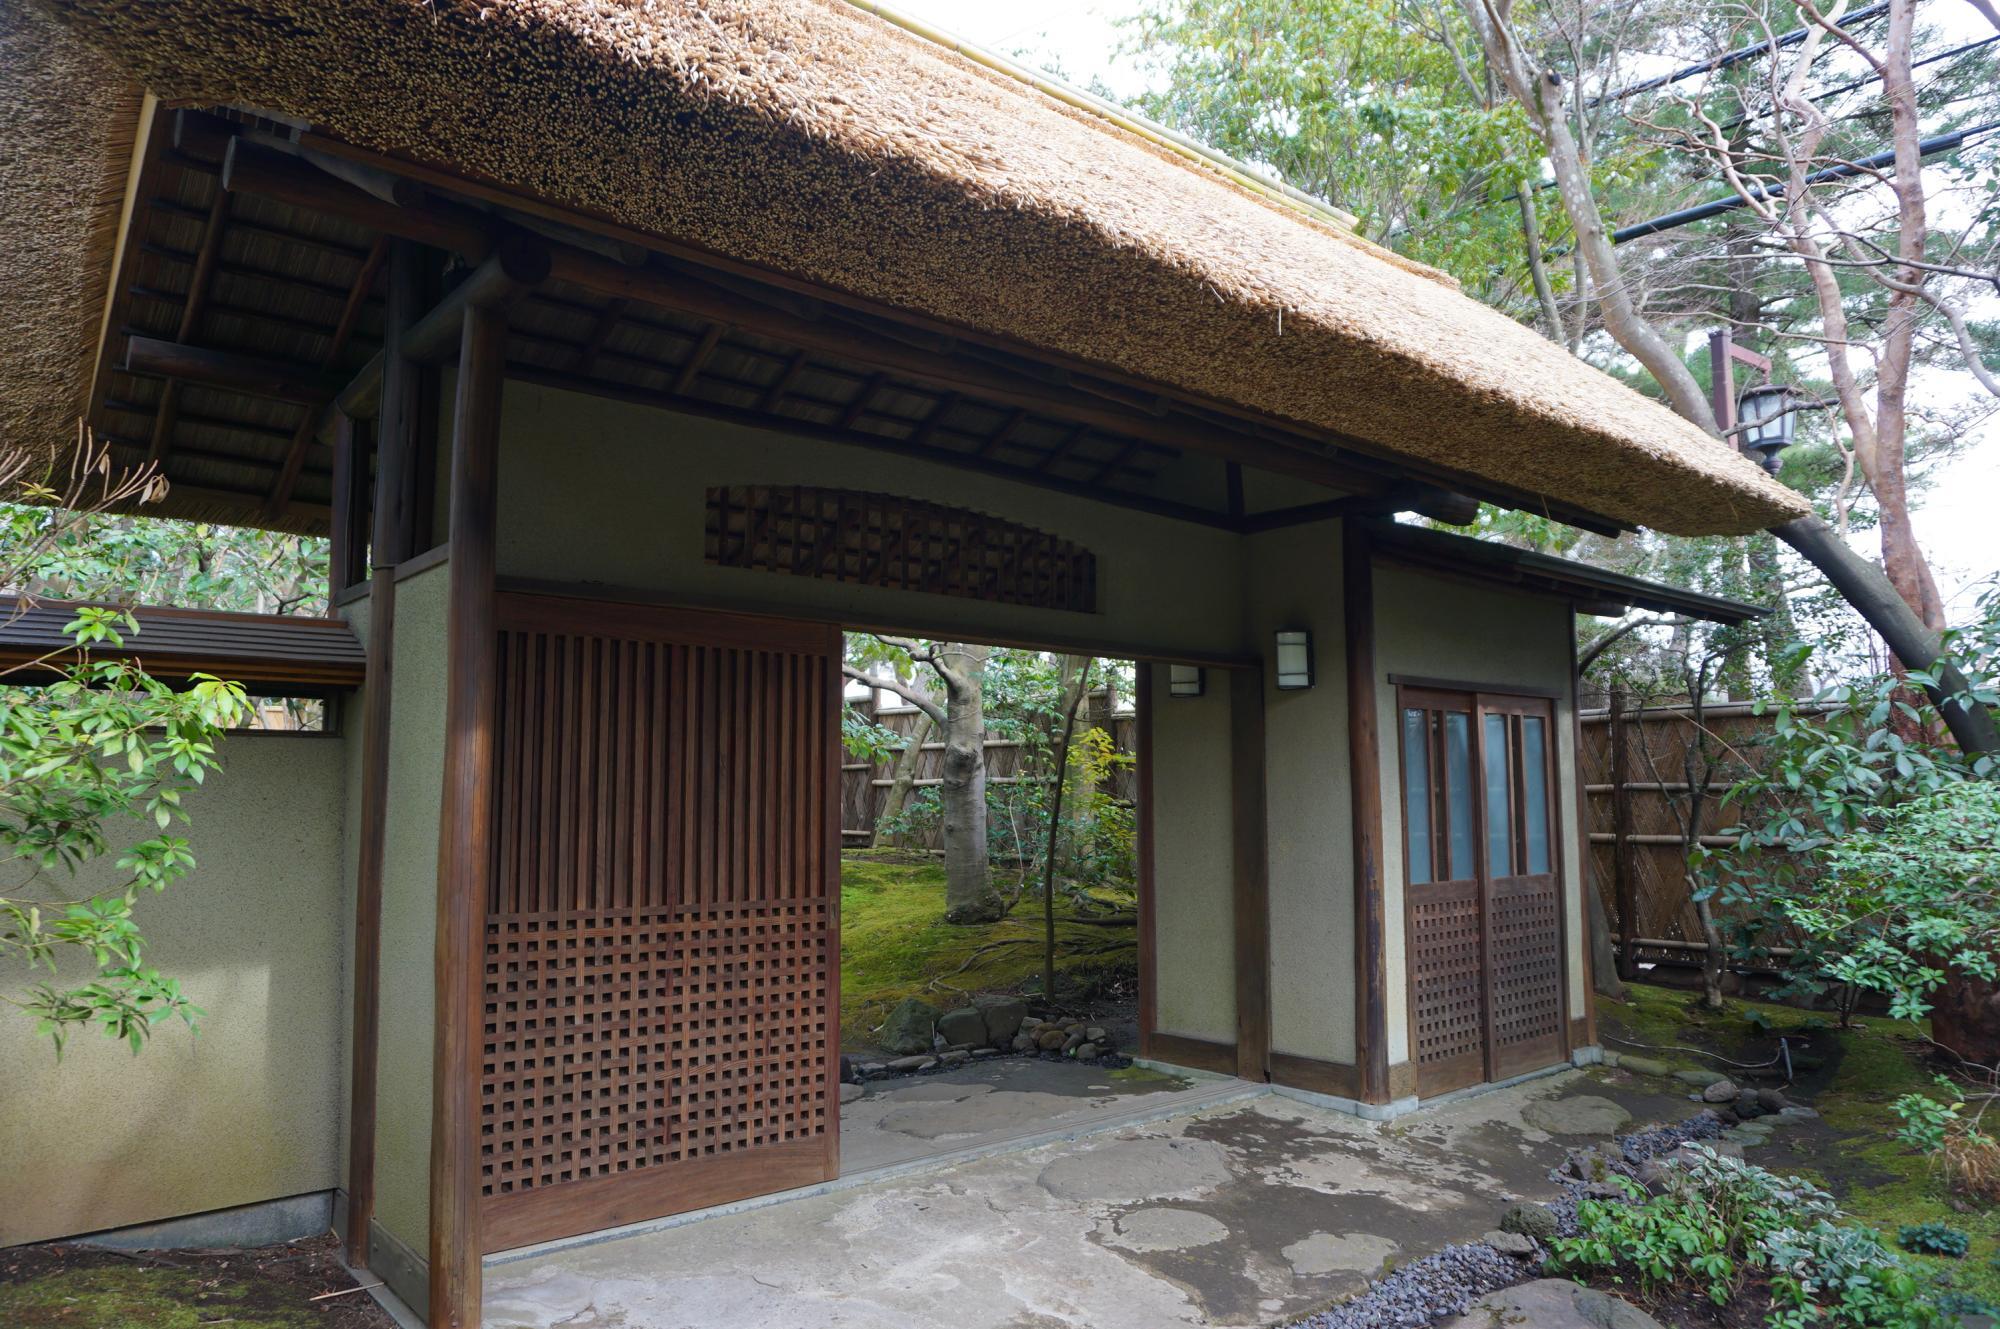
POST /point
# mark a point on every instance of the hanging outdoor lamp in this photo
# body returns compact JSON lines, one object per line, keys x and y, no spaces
{"x":1769,"y":417}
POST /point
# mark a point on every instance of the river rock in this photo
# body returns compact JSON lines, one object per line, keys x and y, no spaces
{"x":1086,"y":1052}
{"x":1552,"y":1303}
{"x":1511,"y":1243}
{"x":849,"y":1091}
{"x":1643,"y":1065}
{"x":1050,"y":1039}
{"x":1002,"y":1017}
{"x":1722,"y":1091}
{"x":904,"y":1065}
{"x":907,"y":1031}
{"x":1529,"y":1220}
{"x":1701,"y":1079}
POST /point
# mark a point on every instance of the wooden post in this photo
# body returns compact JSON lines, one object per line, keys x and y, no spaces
{"x":1251,"y":874}
{"x":465,"y":829}
{"x":1364,"y":778}
{"x":343,"y":560}
{"x":394,"y":458}
{"x":1624,"y":887}
{"x":1142,"y":730}
{"x":1580,"y":843}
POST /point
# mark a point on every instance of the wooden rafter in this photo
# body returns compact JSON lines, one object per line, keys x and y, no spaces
{"x":197,"y":298}
{"x":928,"y":429}
{"x":1116,"y":461}
{"x":600,"y":332}
{"x":783,"y":383}
{"x":350,"y":317}
{"x":1064,"y":448}
{"x":862,"y":401}
{"x":691,"y":367}
{"x":1003,"y":433}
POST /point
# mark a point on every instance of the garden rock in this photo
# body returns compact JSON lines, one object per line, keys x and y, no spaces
{"x":1024,"y":1042}
{"x":849,"y":1091}
{"x":1772,"y":1100}
{"x":956,"y":1057}
{"x":1050,"y":1040}
{"x":907,"y":1031}
{"x":1702,"y":1079}
{"x":1643,"y":1065}
{"x":1002,"y":1017}
{"x":1722,"y":1091}
{"x":904,"y":1065}
{"x":1529,"y":1220}
{"x":1511,"y":1243}
{"x":1552,"y":1303}
{"x":1585,"y":1114}
{"x":1086,"y":1052}
{"x":1749,"y":1108}
{"x":962,"y":1027}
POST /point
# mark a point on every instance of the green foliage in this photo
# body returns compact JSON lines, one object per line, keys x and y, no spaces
{"x":1934,"y":1239}
{"x":93,"y":765}
{"x":1716,"y":1219}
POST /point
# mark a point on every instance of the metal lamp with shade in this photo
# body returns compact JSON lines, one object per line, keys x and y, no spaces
{"x":1768,"y":421}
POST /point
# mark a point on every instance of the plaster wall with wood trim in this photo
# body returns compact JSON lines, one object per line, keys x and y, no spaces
{"x":249,"y":1109}
{"x":409,"y":909}
{"x":611,"y":494}
{"x":1439,"y":628}
{"x":1192,"y":907}
{"x":1294,"y":582}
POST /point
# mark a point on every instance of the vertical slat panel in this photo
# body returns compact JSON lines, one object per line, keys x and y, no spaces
{"x":660,"y":941}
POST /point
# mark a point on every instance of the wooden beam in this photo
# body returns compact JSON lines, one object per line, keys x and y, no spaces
{"x":1250,"y":874}
{"x":600,"y":332}
{"x":1002,"y":434}
{"x":199,"y":283}
{"x":862,"y":400}
{"x":281,"y":380}
{"x":347,"y":541}
{"x":466,"y":825}
{"x":302,"y":437}
{"x":783,"y":383}
{"x":932,"y":422}
{"x":249,"y":168}
{"x":690,"y":368}
{"x":1364,"y":782}
{"x":396,"y":426}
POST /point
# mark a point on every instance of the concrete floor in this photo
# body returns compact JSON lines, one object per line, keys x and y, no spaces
{"x":1250,"y":1213}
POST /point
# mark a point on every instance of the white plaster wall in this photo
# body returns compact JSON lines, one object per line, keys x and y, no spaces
{"x":1439,"y":628}
{"x":1193,"y":909}
{"x":247,"y":1109}
{"x":409,"y":908}
{"x":1295,"y":583}
{"x":600,"y":491}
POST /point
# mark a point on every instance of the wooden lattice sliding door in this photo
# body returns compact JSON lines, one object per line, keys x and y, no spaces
{"x":1482,"y":886}
{"x":662,"y":932}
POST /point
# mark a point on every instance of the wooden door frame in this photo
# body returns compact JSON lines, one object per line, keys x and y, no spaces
{"x":1543,"y":702}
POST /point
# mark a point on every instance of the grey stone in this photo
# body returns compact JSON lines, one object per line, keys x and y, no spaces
{"x":1772,"y":1100}
{"x":1585,"y":1114}
{"x":903,"y":1065}
{"x":1050,"y":1039}
{"x":1603,"y":1190}
{"x":1024,"y":1042}
{"x":981,"y":1054}
{"x":1552,"y":1303}
{"x":1511,"y":1243}
{"x":962,"y":1027}
{"x":1643,"y":1065}
{"x":955,"y":1057}
{"x":1797,"y":1112}
{"x":907,"y":1031}
{"x":1002,"y":1016}
{"x":849,"y":1091}
{"x":1747,"y":1137}
{"x":1529,"y":1220}
{"x":1096,"y":1035}
{"x":1086,"y":1052}
{"x":872,"y":1067}
{"x":1701,"y":1079}
{"x":1721,"y":1091}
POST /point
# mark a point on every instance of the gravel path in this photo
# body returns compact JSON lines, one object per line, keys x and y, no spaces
{"x":1449,"y":1281}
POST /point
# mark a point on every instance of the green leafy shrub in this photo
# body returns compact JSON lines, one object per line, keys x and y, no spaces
{"x":1933,"y":1239}
{"x":1716,"y":1219}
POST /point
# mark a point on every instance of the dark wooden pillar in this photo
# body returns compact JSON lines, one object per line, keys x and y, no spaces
{"x":1142,"y":815}
{"x":1624,"y":886}
{"x":389,"y":546}
{"x":1580,"y":841}
{"x":347,"y":541}
{"x":1364,"y":775}
{"x":465,"y":829}
{"x":1251,"y":874}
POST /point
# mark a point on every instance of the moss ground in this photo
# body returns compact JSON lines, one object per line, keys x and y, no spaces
{"x":1853,"y":1151}
{"x":894,"y":942}
{"x":138,"y":1297}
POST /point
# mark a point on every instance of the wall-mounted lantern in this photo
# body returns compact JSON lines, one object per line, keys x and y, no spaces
{"x":1185,"y":680}
{"x":1295,"y":659}
{"x":1769,"y":419}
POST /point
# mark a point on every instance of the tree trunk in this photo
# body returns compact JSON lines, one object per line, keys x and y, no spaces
{"x":1966,"y":1019}
{"x":969,"y":896}
{"x":903,"y":779}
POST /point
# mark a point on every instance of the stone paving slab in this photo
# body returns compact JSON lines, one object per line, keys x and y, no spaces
{"x":1253,"y":1214}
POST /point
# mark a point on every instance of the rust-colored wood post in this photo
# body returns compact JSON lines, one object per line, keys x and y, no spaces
{"x":394,"y":456}
{"x":465,"y":829}
{"x":1624,"y":884}
{"x":1364,"y":777}
{"x":1251,"y":871}
{"x":347,"y":541}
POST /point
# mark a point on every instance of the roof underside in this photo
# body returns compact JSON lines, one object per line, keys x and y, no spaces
{"x":809,"y":144}
{"x":273,"y":654}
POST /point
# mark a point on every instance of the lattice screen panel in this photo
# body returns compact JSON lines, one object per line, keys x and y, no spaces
{"x":901,"y":543}
{"x":661,"y":974}
{"x":1526,"y":961}
{"x":1446,"y":987}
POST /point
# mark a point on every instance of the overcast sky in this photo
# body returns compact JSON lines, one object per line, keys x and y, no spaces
{"x":1956,"y":520}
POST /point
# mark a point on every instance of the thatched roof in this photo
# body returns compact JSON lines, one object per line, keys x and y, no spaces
{"x":815,"y":140}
